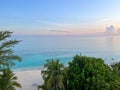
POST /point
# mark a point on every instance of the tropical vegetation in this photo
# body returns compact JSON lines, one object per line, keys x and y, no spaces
{"x":8,"y":80}
{"x":89,"y":73}
{"x":82,"y":73}
{"x":53,"y":75}
{"x":7,"y":57}
{"x":116,"y":67}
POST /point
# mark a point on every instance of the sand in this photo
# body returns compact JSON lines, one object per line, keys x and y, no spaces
{"x":29,"y":79}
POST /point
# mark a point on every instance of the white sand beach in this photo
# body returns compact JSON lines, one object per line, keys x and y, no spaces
{"x":29,"y":79}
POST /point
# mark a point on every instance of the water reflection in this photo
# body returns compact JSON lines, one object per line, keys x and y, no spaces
{"x":112,"y":48}
{"x":110,"y":42}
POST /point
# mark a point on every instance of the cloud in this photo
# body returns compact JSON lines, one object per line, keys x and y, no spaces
{"x":110,"y":28}
{"x":61,"y":31}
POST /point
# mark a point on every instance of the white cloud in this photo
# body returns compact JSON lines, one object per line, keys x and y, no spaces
{"x":60,"y":31}
{"x":110,"y":29}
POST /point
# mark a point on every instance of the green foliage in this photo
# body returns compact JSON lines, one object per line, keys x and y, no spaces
{"x":53,"y":75}
{"x":8,"y":80}
{"x":6,"y":53}
{"x":116,"y":68}
{"x":88,"y":73}
{"x":82,"y":73}
{"x":7,"y":57}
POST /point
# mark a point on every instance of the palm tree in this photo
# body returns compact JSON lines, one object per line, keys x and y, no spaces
{"x":65,"y":78}
{"x":6,"y":53}
{"x":8,"y":80}
{"x":7,"y":57}
{"x":53,"y":75}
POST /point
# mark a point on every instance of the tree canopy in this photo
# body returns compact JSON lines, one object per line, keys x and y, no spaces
{"x":82,"y":73}
{"x":89,"y":73}
{"x":116,"y":67}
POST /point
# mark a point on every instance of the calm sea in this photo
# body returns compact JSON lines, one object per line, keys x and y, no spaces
{"x":35,"y":50}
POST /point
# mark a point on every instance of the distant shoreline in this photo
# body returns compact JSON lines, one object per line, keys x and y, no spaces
{"x":27,"y":69}
{"x":108,"y":61}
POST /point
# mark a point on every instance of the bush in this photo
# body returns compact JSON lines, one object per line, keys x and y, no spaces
{"x":89,"y":73}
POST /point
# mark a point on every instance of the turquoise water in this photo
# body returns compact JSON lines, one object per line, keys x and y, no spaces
{"x":35,"y":50}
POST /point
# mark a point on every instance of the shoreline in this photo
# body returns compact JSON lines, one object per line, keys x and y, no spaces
{"x":29,"y":79}
{"x":27,"y":68}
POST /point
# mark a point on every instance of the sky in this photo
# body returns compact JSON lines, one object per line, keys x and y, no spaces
{"x":59,"y":16}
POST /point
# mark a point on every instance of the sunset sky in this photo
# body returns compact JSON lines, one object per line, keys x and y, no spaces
{"x":59,"y":16}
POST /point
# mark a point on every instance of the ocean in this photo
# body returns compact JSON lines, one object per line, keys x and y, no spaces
{"x":35,"y":50}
